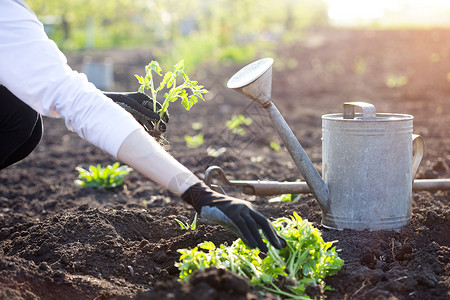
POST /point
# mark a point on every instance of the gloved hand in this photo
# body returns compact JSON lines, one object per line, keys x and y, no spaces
{"x":237,"y":215}
{"x":141,"y":107}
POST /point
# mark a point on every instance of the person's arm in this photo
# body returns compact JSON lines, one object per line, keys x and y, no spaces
{"x":141,"y":152}
{"x":36,"y":71}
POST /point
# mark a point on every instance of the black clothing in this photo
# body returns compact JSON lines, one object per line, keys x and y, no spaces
{"x":20,"y":129}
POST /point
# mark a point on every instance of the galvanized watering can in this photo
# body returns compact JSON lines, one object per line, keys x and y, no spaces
{"x":368,"y":166}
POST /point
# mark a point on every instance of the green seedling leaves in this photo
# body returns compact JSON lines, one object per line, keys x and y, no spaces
{"x":393,"y":81}
{"x":236,"y":123}
{"x":215,"y":153}
{"x":183,"y":225}
{"x":194,"y":141}
{"x":256,"y":159}
{"x":197,"y":125}
{"x":186,"y":226}
{"x":285,"y":198}
{"x":306,"y":260}
{"x":194,"y":222}
{"x":274,"y":145}
{"x":153,"y":66}
{"x":189,"y":91}
{"x":98,"y":176}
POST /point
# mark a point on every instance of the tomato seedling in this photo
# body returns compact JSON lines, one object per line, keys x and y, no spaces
{"x":306,"y":260}
{"x":189,"y":91}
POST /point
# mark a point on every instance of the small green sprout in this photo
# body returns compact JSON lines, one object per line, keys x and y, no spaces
{"x":393,"y":81}
{"x":194,"y":141}
{"x":186,"y":226}
{"x":256,"y":159}
{"x":97,"y":176}
{"x":169,"y":84}
{"x":236,"y":122}
{"x":197,"y":125}
{"x":215,"y":153}
{"x":285,"y":198}
{"x":274,"y":145}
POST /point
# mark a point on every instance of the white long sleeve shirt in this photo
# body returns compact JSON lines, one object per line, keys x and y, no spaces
{"x":33,"y":69}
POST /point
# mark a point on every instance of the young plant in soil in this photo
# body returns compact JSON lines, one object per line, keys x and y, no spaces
{"x":274,"y":145}
{"x":236,"y":122}
{"x":212,"y":152}
{"x":189,"y":91}
{"x":285,"y":198}
{"x":97,"y":176}
{"x":194,"y":141}
{"x":305,"y":261}
{"x":187,"y":226}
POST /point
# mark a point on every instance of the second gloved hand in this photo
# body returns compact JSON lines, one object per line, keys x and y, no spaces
{"x":141,"y":107}
{"x":237,"y":215}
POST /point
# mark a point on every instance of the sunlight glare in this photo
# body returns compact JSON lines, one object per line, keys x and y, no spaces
{"x":355,"y":9}
{"x":389,"y":12}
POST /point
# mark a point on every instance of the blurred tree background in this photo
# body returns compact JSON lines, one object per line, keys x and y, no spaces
{"x":195,"y":30}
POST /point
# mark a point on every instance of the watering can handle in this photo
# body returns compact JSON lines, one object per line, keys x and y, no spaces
{"x":368,"y":110}
{"x":418,"y":153}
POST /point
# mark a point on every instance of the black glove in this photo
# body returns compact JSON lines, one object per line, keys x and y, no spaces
{"x":237,"y":215}
{"x":141,"y":107}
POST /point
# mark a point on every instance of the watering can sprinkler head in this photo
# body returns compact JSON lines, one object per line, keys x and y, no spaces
{"x":254,"y":81}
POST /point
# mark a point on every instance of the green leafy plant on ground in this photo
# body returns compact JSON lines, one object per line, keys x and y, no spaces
{"x":197,"y":125}
{"x":236,"y":122}
{"x":285,"y":198}
{"x":194,"y":141}
{"x":106,"y":177}
{"x":257,"y":159}
{"x":305,"y":261}
{"x":274,"y":145}
{"x":393,"y":81}
{"x":187,"y":226}
{"x":189,"y":91}
{"x":212,"y":152}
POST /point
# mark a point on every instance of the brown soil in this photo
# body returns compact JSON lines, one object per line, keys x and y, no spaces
{"x":60,"y":241}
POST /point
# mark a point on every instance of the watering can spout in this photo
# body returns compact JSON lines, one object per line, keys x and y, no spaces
{"x":255,"y":82}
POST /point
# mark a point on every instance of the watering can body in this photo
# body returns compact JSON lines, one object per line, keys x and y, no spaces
{"x":368,"y":168}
